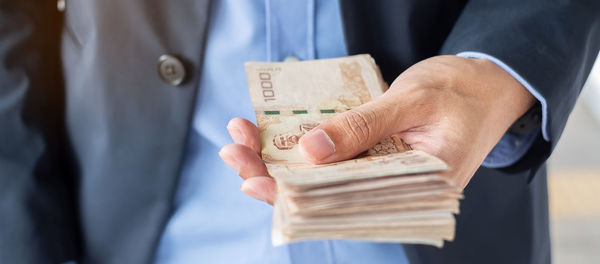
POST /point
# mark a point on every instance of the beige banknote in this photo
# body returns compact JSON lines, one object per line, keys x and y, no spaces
{"x":291,"y":98}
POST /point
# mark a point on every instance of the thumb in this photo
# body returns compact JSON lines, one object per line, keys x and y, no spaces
{"x":350,"y":133}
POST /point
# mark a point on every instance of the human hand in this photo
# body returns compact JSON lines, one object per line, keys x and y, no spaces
{"x":454,"y":108}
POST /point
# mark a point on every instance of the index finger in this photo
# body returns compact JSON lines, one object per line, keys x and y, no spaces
{"x":244,"y":132}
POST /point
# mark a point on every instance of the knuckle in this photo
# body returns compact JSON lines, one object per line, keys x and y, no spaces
{"x":358,"y":124}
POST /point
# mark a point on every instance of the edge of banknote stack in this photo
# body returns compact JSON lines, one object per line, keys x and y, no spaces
{"x":390,"y":193}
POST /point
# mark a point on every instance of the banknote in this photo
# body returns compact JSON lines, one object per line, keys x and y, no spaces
{"x":291,"y":98}
{"x":429,"y":231}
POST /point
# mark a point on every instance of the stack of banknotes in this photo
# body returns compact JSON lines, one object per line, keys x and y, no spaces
{"x":389,"y":193}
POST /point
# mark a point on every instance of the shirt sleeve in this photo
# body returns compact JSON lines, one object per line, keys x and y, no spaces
{"x":512,"y":147}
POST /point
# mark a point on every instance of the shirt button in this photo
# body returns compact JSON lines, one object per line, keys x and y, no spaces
{"x":61,"y":5}
{"x":171,"y":70}
{"x":291,"y":59}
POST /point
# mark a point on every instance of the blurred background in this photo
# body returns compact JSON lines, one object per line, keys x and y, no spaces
{"x":574,"y":181}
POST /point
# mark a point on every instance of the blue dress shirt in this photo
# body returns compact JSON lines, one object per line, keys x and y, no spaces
{"x":213,"y":221}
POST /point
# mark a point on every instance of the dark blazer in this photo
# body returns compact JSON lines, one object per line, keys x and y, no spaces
{"x":92,"y":140}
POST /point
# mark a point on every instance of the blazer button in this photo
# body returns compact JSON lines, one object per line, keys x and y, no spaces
{"x":171,"y":70}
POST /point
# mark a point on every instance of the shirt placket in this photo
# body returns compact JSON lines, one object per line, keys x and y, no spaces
{"x":290,"y":29}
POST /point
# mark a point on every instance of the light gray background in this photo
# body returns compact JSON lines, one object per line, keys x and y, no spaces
{"x":574,"y":180}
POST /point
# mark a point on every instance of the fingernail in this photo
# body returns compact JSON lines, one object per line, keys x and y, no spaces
{"x":231,"y":160}
{"x":237,"y":136}
{"x":317,"y":145}
{"x":249,"y":189}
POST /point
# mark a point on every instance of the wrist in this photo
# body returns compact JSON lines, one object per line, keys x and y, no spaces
{"x":508,"y":98}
